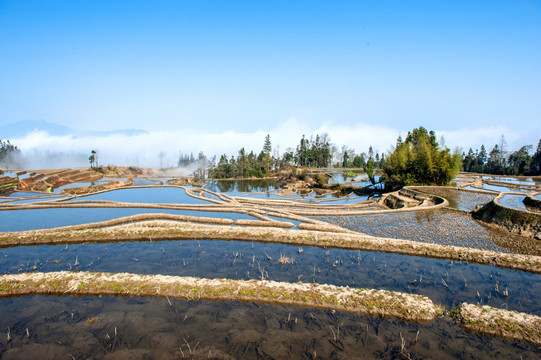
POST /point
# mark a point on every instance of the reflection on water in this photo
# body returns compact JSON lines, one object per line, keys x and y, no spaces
{"x":514,"y":180}
{"x":501,"y":188}
{"x":145,"y":328}
{"x":431,"y":226}
{"x":20,"y":220}
{"x":460,"y":199}
{"x":132,"y":327}
{"x":513,"y":201}
{"x":241,"y":186}
{"x":246,"y":260}
{"x":155,"y":195}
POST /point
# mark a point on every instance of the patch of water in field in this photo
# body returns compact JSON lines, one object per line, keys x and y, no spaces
{"x":501,"y":188}
{"x":145,"y":328}
{"x":267,"y":195}
{"x":468,"y":201}
{"x":23,"y":194}
{"x":34,"y":219}
{"x":234,"y":187}
{"x":513,"y":201}
{"x":31,"y":199}
{"x":514,"y":180}
{"x":342,"y":178}
{"x":431,"y":226}
{"x":460,"y":199}
{"x":145,"y":181}
{"x":153,"y":195}
{"x":446,"y":282}
{"x":78,"y":184}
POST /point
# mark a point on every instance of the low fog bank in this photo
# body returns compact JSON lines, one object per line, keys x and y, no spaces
{"x":160,"y":149}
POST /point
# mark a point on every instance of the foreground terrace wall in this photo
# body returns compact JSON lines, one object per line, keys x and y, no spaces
{"x":499,"y":322}
{"x":369,"y":302}
{"x":383,"y":303}
{"x":532,"y":201}
{"x":521,"y":222}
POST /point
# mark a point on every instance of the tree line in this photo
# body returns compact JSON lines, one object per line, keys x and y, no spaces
{"x":499,"y":162}
{"x":9,"y":154}
{"x":316,"y":152}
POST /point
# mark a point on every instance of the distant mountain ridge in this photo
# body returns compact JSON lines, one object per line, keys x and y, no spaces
{"x":22,"y":128}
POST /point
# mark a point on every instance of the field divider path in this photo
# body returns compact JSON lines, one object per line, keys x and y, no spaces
{"x":499,"y":322}
{"x":384,"y":303}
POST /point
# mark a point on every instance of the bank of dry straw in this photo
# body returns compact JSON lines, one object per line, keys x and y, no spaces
{"x":499,"y":322}
{"x":383,"y":303}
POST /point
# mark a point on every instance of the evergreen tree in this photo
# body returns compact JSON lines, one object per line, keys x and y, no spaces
{"x":535,"y":164}
{"x":467,"y":162}
{"x":493,"y":163}
{"x":345,"y":160}
{"x":482,"y":158}
{"x":420,"y":161}
{"x":267,"y":148}
{"x":519,"y":161}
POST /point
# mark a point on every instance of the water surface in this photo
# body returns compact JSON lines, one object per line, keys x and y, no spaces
{"x":446,"y":282}
{"x":20,"y":220}
{"x":84,"y":328}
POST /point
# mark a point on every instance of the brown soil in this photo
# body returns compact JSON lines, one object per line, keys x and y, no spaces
{"x":43,"y":182}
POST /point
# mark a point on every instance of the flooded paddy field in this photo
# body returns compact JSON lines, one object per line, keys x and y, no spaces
{"x":21,"y":194}
{"x":31,"y":199}
{"x":143,"y":327}
{"x":236,"y":187}
{"x":445,"y":282}
{"x":513,"y":201}
{"x":459,"y":199}
{"x":34,"y":219}
{"x":432,"y":226}
{"x":128,"y":327}
{"x":503,"y":188}
{"x":156,"y":195}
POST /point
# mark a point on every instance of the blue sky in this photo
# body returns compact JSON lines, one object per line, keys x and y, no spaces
{"x":468,"y":69}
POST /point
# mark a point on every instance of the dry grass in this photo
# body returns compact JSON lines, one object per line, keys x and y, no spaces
{"x":499,"y":322}
{"x":369,"y":302}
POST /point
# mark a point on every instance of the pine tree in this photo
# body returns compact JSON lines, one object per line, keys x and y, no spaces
{"x":267,"y":148}
{"x":419,"y":161}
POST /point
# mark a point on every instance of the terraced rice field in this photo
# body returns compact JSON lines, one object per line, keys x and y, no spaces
{"x":279,"y":325}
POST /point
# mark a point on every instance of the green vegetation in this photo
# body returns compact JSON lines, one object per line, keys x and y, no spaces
{"x":310,"y":153}
{"x":93,"y":159}
{"x":519,"y":162}
{"x":420,"y":160}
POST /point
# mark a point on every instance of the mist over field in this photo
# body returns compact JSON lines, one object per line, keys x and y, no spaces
{"x":71,"y":148}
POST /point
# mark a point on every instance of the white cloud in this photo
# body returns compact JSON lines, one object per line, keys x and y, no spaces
{"x":43,"y":150}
